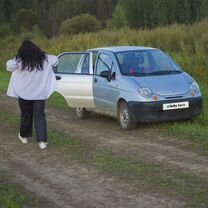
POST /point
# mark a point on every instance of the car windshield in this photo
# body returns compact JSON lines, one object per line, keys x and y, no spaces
{"x":146,"y":63}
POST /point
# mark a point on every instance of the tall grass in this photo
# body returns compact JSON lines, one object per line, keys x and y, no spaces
{"x":188,"y":44}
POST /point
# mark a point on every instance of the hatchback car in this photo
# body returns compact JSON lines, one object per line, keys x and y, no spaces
{"x":132,"y":83}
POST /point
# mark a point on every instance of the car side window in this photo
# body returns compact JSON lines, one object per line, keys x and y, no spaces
{"x":104,"y":63}
{"x":73,"y":63}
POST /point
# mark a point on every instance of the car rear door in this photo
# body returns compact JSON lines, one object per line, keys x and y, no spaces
{"x":74,"y":76}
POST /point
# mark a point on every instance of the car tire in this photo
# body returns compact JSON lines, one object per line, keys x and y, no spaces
{"x":125,"y":117}
{"x":82,"y":113}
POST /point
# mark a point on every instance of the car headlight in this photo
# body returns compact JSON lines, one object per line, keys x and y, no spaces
{"x":145,"y":92}
{"x":194,"y":87}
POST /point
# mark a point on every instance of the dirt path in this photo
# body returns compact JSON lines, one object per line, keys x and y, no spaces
{"x":58,"y":182}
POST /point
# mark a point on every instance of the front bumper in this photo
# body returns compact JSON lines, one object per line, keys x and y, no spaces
{"x":153,"y":111}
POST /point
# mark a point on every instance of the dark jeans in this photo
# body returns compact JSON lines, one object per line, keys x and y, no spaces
{"x":33,"y":109}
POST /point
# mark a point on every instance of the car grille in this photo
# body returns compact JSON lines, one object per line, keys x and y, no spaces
{"x":173,"y":97}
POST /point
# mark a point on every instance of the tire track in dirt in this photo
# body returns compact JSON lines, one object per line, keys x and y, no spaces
{"x":57,"y":181}
{"x":143,"y":143}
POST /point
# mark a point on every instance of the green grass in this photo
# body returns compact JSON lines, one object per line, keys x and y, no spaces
{"x":5,"y":116}
{"x":10,"y":195}
{"x":58,"y":101}
{"x":4,"y":81}
{"x":195,"y":130}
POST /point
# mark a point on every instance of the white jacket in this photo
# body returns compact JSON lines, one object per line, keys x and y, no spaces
{"x":34,"y":85}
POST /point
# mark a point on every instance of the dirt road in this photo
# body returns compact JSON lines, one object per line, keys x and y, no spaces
{"x":58,"y":181}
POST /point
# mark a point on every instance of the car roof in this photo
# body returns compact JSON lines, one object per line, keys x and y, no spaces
{"x":116,"y":49}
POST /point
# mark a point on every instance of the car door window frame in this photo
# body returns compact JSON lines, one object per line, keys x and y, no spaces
{"x":110,"y":69}
{"x":55,"y":68}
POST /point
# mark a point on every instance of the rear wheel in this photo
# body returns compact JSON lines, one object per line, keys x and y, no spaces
{"x":82,"y":113}
{"x":125,"y":116}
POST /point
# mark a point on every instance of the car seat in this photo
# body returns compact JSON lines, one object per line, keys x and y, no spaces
{"x":128,"y":66}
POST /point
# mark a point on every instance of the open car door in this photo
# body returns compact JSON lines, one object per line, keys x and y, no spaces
{"x":74,"y":75}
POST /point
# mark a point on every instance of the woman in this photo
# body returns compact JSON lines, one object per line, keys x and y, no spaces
{"x":32,"y":82}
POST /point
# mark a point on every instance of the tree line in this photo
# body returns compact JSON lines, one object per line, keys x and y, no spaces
{"x":153,"y":13}
{"x":73,"y":16}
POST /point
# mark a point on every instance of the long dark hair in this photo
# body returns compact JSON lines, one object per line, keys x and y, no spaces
{"x":31,"y":56}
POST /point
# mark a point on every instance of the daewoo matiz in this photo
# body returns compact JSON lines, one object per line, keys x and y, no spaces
{"x":133,"y":84}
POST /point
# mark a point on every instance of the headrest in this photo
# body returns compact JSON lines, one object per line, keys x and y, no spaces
{"x":139,"y":59}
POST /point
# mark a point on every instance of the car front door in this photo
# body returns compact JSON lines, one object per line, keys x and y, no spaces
{"x":74,"y":76}
{"x":105,"y":89}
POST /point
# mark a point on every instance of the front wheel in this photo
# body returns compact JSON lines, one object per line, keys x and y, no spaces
{"x":125,"y":117}
{"x":82,"y":113}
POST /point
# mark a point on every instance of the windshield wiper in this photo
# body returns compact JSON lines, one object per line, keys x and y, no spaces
{"x":164,"y":72}
{"x":136,"y":74}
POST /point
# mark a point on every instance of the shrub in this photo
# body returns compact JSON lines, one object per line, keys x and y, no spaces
{"x":80,"y":24}
{"x":23,"y":20}
{"x":5,"y":30}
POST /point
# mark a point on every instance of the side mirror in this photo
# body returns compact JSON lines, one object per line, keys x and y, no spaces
{"x":105,"y":74}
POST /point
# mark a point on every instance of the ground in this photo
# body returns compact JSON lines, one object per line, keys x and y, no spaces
{"x":54,"y":179}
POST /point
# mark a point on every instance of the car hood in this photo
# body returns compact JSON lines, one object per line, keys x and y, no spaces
{"x":164,"y":85}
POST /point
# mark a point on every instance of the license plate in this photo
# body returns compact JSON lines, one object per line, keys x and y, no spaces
{"x":172,"y":106}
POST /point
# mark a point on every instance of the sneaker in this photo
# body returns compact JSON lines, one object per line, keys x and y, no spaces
{"x":43,"y":145}
{"x":24,"y":140}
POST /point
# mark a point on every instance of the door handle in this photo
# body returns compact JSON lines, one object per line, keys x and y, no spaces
{"x":95,"y":80}
{"x":58,"y":77}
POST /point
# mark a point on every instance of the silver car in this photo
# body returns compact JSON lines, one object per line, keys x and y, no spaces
{"x":134,"y":84}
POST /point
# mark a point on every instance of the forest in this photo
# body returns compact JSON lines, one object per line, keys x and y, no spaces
{"x":52,"y":17}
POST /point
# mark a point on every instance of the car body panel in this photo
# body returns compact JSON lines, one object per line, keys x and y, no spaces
{"x":77,"y":90}
{"x":164,"y":85}
{"x":75,"y":86}
{"x":105,"y":91}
